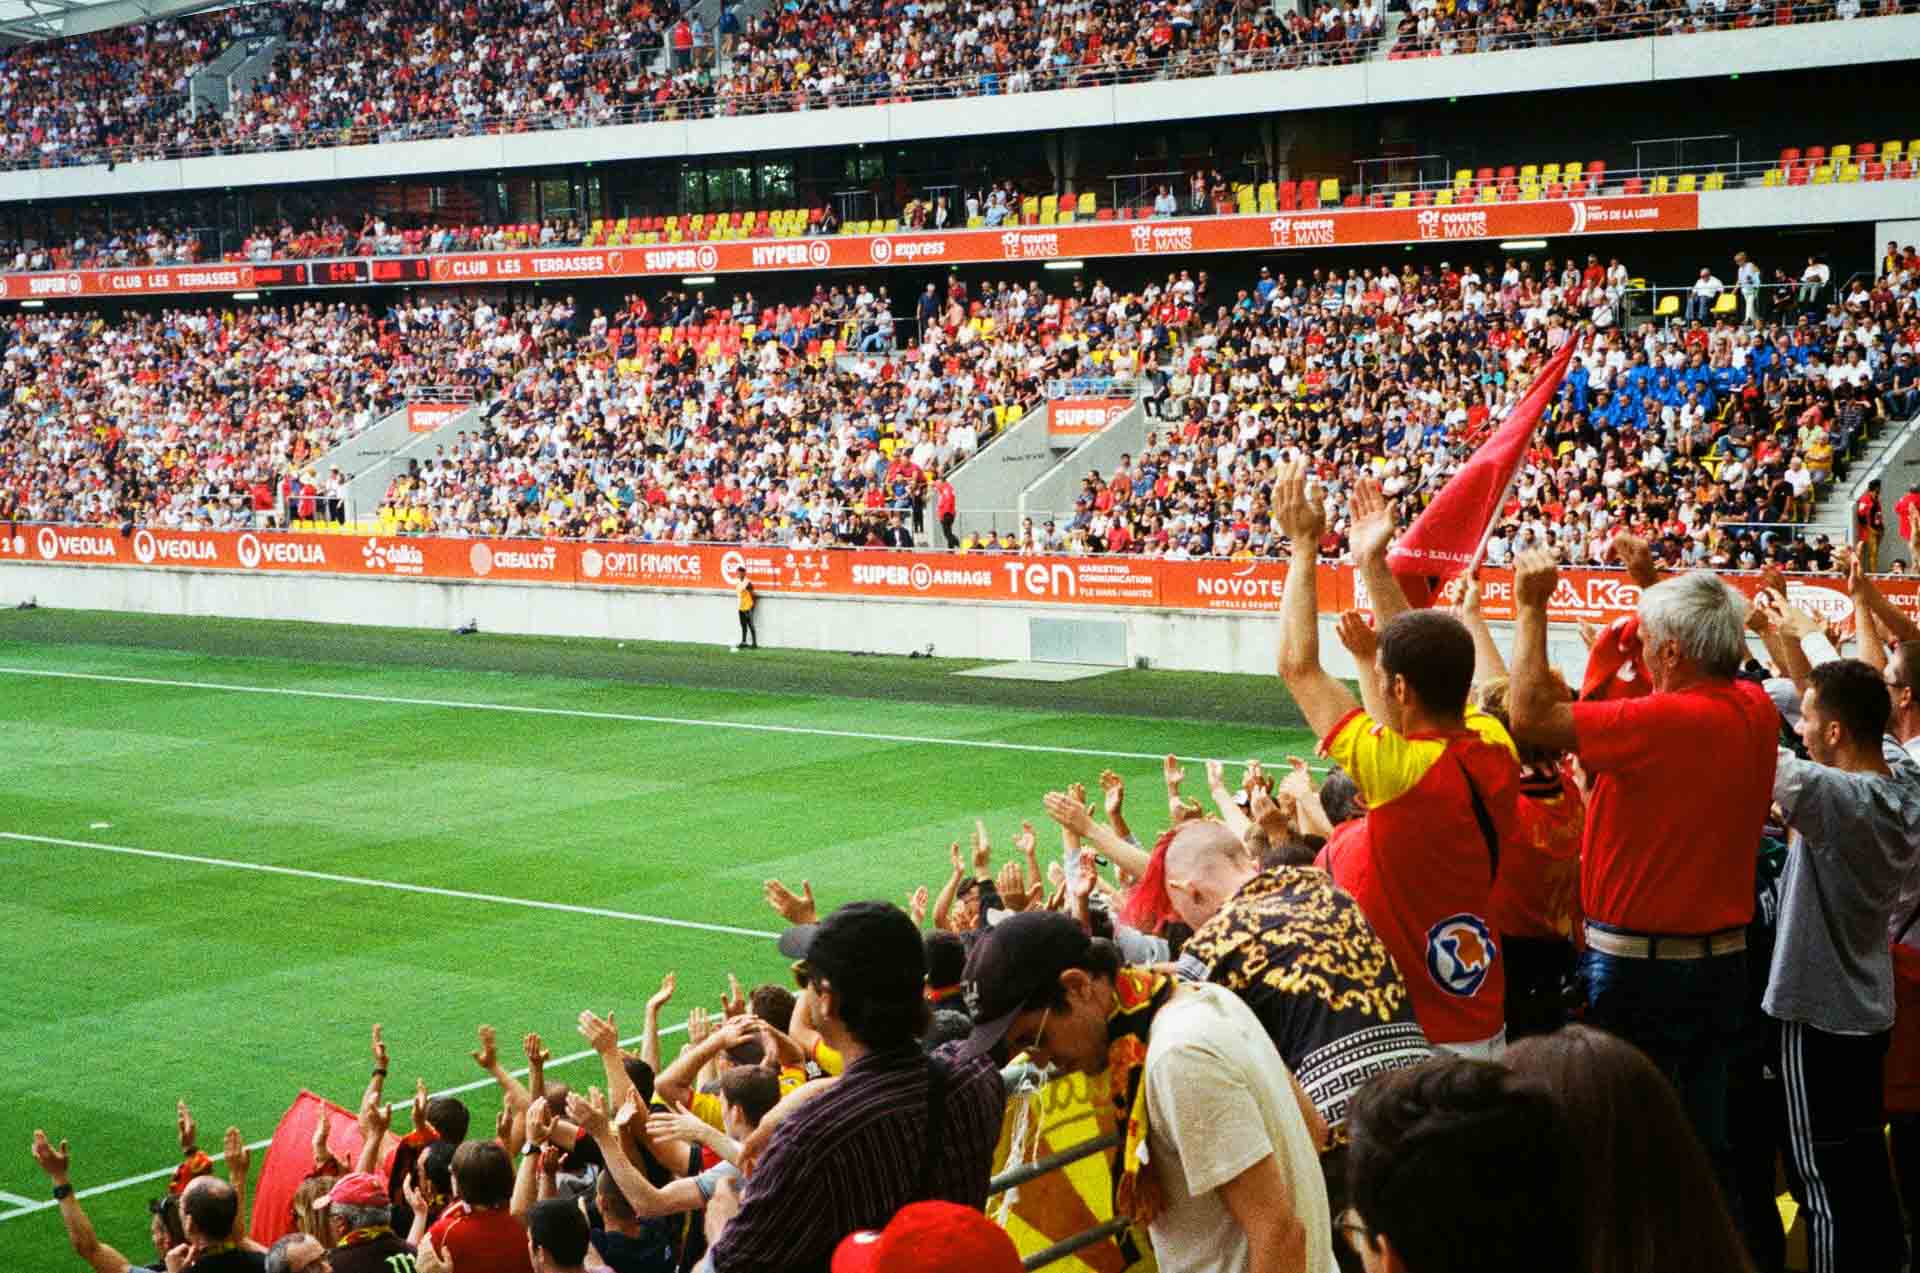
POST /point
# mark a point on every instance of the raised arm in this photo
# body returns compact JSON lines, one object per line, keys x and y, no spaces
{"x":675,"y":1084}
{"x":239,"y":1159}
{"x":1369,"y":533}
{"x":1230,"y":811}
{"x":1487,"y":660}
{"x":1072,"y":814}
{"x":80,"y":1235}
{"x":590,"y":1112}
{"x":1540,"y":713}
{"x":951,"y":889}
{"x":1363,"y":645}
{"x":1886,"y":616}
{"x":1323,"y":700}
{"x":604,"y":1038}
{"x":1113,"y":789}
{"x":650,"y":1036}
{"x":487,"y":1057}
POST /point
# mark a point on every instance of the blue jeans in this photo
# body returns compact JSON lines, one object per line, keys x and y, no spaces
{"x":1688,"y":1016}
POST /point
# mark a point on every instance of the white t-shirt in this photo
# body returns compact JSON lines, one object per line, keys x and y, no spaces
{"x":1219,"y":1099}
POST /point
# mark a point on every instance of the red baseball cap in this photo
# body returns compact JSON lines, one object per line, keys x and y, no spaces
{"x":930,"y":1237}
{"x":357,"y":1189}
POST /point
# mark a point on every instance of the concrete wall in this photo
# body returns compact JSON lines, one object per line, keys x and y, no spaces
{"x":1663,"y":60}
{"x":1053,"y":494}
{"x":986,"y":489}
{"x":1245,"y":643}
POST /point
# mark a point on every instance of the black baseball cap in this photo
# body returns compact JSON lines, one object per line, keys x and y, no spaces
{"x":870,"y":945}
{"x":1018,"y":958}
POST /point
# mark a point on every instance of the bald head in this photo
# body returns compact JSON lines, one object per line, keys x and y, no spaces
{"x":209,"y":1207}
{"x":1206,"y":865}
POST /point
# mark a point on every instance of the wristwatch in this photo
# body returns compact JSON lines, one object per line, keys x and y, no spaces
{"x":62,"y":1191}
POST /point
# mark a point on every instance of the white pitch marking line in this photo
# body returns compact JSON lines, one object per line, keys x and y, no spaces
{"x":362,"y":882}
{"x":27,"y":1206}
{"x":582,"y":714}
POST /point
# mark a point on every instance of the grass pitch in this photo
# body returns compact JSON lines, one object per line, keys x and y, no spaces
{"x":642,"y":780}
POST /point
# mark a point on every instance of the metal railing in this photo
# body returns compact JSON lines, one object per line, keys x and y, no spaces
{"x":1014,"y":1177}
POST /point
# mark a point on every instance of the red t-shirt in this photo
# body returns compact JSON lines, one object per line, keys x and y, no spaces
{"x":1905,"y":506}
{"x":489,"y":1241}
{"x":1538,"y":892}
{"x":1681,"y":786}
{"x":1423,"y":871}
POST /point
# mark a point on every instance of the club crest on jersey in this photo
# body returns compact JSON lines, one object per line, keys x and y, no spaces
{"x":1460,"y":954}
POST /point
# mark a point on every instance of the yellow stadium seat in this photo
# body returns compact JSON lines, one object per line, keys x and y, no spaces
{"x":1850,"y":173}
{"x":1687,"y":184}
{"x":1445,"y":197}
{"x":1329,"y":191}
{"x":1462,"y":178}
{"x":1726,"y":303}
{"x":1549,"y":174}
{"x":1890,"y":151}
{"x":1049,"y":205}
{"x":1269,"y":197}
{"x":1030,"y":207}
{"x":1841,"y":153}
{"x":1529,"y":172}
{"x":1087,"y":205}
{"x":1403,"y":198}
{"x":1823,"y":175}
{"x":1659,"y":185}
{"x":1489,"y":194}
{"x":1715,"y":181}
{"x":974,"y":223}
{"x":1774,"y":177}
{"x":1048,"y":218}
{"x":1570,"y":173}
{"x":1529,"y":190}
{"x":1669,"y":306}
{"x":1065,"y":216}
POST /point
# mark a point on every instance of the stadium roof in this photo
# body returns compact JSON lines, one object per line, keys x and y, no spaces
{"x":24,"y":21}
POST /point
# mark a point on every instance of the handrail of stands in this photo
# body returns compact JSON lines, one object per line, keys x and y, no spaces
{"x":1673,"y":21}
{"x":1092,"y":386}
{"x":1014,"y":1177}
{"x":1745,"y":174}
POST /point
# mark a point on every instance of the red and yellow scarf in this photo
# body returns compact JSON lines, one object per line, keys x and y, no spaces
{"x":1139,"y":996}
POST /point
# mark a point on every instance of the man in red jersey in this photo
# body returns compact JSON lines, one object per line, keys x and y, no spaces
{"x":1440,"y":780}
{"x":1682,"y":782}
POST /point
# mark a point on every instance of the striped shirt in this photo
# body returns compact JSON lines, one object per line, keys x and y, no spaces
{"x":852,"y":1156}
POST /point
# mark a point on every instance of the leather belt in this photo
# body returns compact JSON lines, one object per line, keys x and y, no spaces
{"x":1661,"y":946}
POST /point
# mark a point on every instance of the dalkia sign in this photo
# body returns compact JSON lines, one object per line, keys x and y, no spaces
{"x":1249,"y":587}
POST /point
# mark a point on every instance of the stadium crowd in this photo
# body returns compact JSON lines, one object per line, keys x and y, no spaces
{"x":1502,"y":953}
{"x":509,"y":65}
{"x":836,"y":421}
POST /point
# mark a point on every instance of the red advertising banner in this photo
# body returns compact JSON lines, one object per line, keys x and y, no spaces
{"x":425,"y":417}
{"x":1251,"y":587}
{"x":1262,"y":232}
{"x":1083,"y":417}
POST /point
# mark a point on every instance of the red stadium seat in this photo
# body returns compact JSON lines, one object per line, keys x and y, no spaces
{"x":1309,"y":193}
{"x":1633,"y":185}
{"x":1287,"y":196}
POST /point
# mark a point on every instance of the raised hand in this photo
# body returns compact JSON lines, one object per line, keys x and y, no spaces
{"x":417,"y":1202}
{"x":679,"y":1123}
{"x":982,"y":847}
{"x":536,"y":1051}
{"x":183,"y":1122}
{"x":1297,"y":509}
{"x":1114,"y":789}
{"x":1013,"y":887}
{"x":540,"y":1119}
{"x":1535,"y":575}
{"x":233,"y":1148}
{"x":734,"y":1002}
{"x":601,"y":1034}
{"x":589,"y":1113}
{"x":1299,"y":779}
{"x":1370,"y":519}
{"x":419,"y":1103}
{"x":662,"y":995}
{"x":1632,"y":552}
{"x":917,"y":906}
{"x":375,"y":1120}
{"x":55,"y":1162}
{"x":1589,"y":632}
{"x":1173,"y":772}
{"x":1468,"y":605}
{"x":322,"y":1129}
{"x":698,"y":1027}
{"x":953,"y":851}
{"x":488,"y":1054}
{"x":1358,"y":636}
{"x":1273,"y":813}
{"x":1026,"y":841}
{"x":379,"y":1049}
{"x":1086,"y":871}
{"x":795,"y":908}
{"x":1069,"y":811}
{"x":1255,"y":777}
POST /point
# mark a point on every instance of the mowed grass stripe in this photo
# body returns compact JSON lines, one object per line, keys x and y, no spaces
{"x":145,"y":981}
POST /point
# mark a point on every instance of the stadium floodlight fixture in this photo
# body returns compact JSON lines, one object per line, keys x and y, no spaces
{"x":696,"y":280}
{"x":1066,"y":265}
{"x":246,"y":296}
{"x":1523,"y":245}
{"x":33,"y":304}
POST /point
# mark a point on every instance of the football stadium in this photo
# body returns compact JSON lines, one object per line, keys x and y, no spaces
{"x":828,"y":636}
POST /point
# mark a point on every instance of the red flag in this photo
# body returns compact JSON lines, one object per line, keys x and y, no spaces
{"x":290,"y":1160}
{"x":1449,"y":532}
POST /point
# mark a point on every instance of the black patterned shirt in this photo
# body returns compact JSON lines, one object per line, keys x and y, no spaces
{"x":1299,"y":952}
